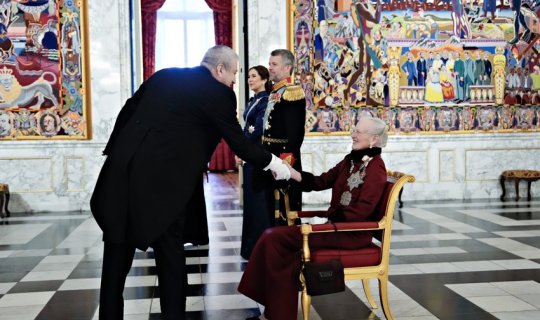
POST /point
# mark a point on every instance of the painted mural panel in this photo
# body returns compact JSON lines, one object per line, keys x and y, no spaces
{"x":424,"y":66}
{"x":43,"y":70}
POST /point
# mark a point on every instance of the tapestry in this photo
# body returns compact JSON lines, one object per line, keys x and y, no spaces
{"x":44,"y":79}
{"x":423,"y":66}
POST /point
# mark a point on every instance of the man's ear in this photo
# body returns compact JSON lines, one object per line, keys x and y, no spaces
{"x":289,"y":67}
{"x":219,"y":69}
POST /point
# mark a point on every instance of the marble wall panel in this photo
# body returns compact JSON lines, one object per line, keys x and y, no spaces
{"x":74,"y":174}
{"x":412,"y":162}
{"x":307,"y":162}
{"x":27,"y":174}
{"x":483,"y":165}
{"x":447,"y":165}
{"x":267,"y":25}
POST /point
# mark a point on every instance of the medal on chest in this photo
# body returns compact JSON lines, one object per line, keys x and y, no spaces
{"x":354,"y":180}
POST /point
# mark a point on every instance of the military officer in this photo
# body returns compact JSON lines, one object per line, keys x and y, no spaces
{"x":283,"y":126}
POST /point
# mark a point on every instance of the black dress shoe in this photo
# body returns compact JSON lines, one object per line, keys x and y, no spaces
{"x":253,"y":318}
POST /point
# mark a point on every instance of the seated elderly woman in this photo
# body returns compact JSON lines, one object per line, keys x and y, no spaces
{"x":272,"y":275}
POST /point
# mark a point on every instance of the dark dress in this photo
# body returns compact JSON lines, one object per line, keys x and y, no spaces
{"x":271,"y":277}
{"x":159,"y":148}
{"x":256,"y":216}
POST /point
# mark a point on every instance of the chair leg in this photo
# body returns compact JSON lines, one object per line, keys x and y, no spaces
{"x":383,"y":292}
{"x":501,"y":180}
{"x":2,"y":205}
{"x":367,"y":292}
{"x":517,"y":189}
{"x":7,"y":203}
{"x":306,"y":304}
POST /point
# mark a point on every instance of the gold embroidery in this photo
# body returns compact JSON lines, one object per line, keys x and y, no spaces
{"x":294,"y":93}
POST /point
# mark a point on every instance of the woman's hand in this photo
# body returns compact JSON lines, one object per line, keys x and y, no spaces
{"x":295,"y":175}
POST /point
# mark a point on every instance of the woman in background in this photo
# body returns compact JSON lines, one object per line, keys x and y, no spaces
{"x":255,"y":221}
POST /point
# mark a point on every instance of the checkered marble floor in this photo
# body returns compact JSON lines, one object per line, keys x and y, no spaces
{"x":450,"y":260}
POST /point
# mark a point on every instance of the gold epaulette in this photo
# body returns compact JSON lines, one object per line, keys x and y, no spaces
{"x":294,"y":93}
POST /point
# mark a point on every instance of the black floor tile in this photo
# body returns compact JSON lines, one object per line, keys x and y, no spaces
{"x":131,"y":293}
{"x":36,"y":286}
{"x":71,"y":305}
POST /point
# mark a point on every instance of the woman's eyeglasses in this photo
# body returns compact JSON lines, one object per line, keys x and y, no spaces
{"x":354,"y":131}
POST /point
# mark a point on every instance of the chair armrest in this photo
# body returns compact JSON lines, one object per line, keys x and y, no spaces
{"x":344,"y":226}
{"x":311,"y":214}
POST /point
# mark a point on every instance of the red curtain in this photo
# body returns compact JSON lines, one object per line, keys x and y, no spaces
{"x":223,"y":157}
{"x":149,"y":10}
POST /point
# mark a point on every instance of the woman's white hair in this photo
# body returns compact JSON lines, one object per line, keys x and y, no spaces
{"x":380,"y":129}
{"x":217,"y":55}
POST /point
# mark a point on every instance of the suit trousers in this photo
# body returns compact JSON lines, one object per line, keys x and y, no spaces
{"x":170,"y":265}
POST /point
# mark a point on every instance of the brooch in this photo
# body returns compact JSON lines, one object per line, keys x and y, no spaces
{"x":251,"y":129}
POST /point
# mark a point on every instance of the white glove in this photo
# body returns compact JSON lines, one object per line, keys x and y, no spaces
{"x":279,"y":169}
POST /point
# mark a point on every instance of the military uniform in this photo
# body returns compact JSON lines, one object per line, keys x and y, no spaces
{"x":283,"y":133}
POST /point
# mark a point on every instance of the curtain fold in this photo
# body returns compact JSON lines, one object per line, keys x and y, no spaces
{"x":223,"y":157}
{"x":149,"y":10}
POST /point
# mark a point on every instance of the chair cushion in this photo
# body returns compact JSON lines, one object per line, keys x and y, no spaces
{"x":522,"y":174}
{"x":368,"y":256}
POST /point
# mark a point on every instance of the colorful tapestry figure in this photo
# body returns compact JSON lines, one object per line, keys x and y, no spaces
{"x":470,"y":62}
{"x":43,"y":81}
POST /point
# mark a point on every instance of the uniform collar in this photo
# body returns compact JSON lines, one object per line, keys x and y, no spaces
{"x":281,"y":84}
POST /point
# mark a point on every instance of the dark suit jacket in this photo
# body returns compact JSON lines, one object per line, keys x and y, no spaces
{"x":159,"y":148}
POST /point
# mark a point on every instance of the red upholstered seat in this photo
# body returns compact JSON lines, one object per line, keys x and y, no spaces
{"x":369,"y":256}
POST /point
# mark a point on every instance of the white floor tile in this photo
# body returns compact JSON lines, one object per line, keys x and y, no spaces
{"x":80,"y":284}
{"x":143,"y":263}
{"x":522,"y":315}
{"x":517,"y":264}
{"x":21,"y":234}
{"x":6,"y":286}
{"x":63,"y":258}
{"x":501,"y":303}
{"x":195,"y":304}
{"x":6,"y":253}
{"x":228,"y":302}
{"x":440,"y":267}
{"x":30,"y":253}
{"x":518,"y":287}
{"x":20,"y":313}
{"x":221,"y":277}
{"x":141,"y":281}
{"x":477,"y":265}
{"x":476,"y":290}
{"x":55,"y":266}
{"x":137,"y":306}
{"x":400,"y":269}
{"x":25,"y":299}
{"x":47,"y":275}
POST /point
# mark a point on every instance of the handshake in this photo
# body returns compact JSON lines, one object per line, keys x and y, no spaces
{"x":282,"y":170}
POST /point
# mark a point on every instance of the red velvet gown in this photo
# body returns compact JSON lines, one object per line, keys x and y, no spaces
{"x":272,"y":275}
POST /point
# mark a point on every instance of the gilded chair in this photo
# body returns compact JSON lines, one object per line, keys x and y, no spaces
{"x":362,"y":264}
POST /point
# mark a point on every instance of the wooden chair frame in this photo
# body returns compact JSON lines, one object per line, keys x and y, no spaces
{"x":379,"y":271}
